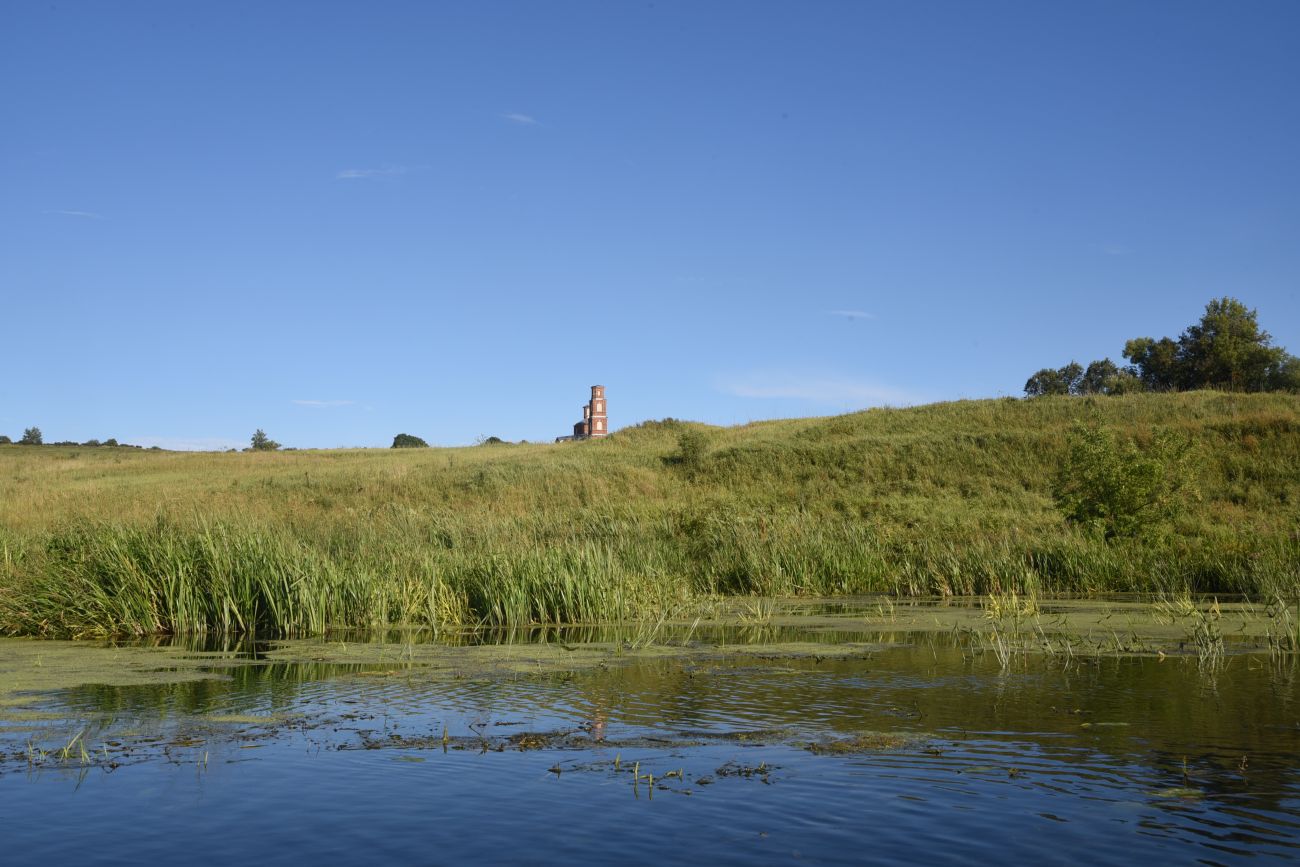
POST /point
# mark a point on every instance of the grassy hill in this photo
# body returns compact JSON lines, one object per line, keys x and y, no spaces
{"x":954,"y":498}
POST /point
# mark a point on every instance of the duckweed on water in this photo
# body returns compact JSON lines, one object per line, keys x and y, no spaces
{"x":796,"y":638}
{"x":34,"y":665}
{"x":793,"y":629}
{"x":868,"y":742}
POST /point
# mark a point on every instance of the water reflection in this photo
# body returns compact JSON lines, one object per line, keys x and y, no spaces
{"x":1158,"y":745}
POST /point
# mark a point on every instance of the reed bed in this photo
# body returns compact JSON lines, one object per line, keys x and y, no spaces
{"x":943,"y":499}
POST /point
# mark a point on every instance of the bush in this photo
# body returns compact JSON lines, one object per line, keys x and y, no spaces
{"x":407,"y":441}
{"x":4,"y":440}
{"x":1118,"y":489}
{"x":691,"y":447}
{"x":31,"y":437}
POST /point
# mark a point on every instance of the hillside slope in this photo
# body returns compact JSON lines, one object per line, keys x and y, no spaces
{"x":947,"y":498}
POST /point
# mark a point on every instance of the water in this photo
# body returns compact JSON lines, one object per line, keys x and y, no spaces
{"x":922,"y":750}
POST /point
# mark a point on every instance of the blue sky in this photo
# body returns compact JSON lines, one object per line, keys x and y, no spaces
{"x":341,"y":221}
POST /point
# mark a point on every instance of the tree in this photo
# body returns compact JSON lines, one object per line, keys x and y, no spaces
{"x":1285,"y":375}
{"x":4,"y":440}
{"x":407,"y":441}
{"x":1106,"y":377}
{"x":1155,"y":362}
{"x":31,"y":437}
{"x":1041,"y":383}
{"x":1098,"y":376}
{"x":1062,"y":380}
{"x":1227,"y":349}
{"x":262,"y":443}
{"x":110,"y":442}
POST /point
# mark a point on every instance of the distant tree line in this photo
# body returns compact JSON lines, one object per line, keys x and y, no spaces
{"x":32,"y":436}
{"x":1226,"y":350}
{"x":258,"y":442}
{"x":410,"y":441}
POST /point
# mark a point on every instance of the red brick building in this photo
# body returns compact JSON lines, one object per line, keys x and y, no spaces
{"x":595,"y":421}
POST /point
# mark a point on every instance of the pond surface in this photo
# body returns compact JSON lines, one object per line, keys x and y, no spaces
{"x":817,"y":737}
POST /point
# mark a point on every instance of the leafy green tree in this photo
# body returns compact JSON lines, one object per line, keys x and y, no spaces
{"x":1118,"y":489}
{"x":1098,"y":376}
{"x":110,"y":442}
{"x":1043,"y":383}
{"x":1285,"y":375}
{"x":1062,"y":380}
{"x":4,"y":440}
{"x":1155,"y":362}
{"x":1106,"y":377}
{"x":1227,"y":349}
{"x":31,"y":437}
{"x":262,"y":443}
{"x":407,"y":441}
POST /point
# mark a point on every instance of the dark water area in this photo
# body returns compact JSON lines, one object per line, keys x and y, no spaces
{"x":915,"y":751}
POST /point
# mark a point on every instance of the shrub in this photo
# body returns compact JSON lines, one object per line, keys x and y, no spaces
{"x":407,"y":441}
{"x":1118,"y":489}
{"x":31,"y":437}
{"x":691,"y":446}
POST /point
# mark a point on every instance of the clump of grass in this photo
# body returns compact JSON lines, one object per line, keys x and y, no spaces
{"x":1011,"y":606}
{"x":756,"y":612}
{"x":1201,"y":623}
{"x":1283,"y":631}
{"x":1002,"y":646}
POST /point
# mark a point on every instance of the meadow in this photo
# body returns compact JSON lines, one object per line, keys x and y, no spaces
{"x":945,"y":499}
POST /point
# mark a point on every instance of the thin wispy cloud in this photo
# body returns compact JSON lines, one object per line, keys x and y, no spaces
{"x":85,"y":215}
{"x":521,"y":119}
{"x":190,"y":444}
{"x":324,"y":404}
{"x":815,"y":389}
{"x":852,"y":314}
{"x":385,"y":172}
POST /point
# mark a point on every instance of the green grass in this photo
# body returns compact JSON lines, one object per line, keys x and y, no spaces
{"x":952,"y":498}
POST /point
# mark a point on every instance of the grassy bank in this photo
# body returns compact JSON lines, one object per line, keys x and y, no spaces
{"x":944,"y":499}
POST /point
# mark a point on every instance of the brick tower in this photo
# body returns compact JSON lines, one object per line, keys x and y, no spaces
{"x":594,"y":413}
{"x":595,"y":421}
